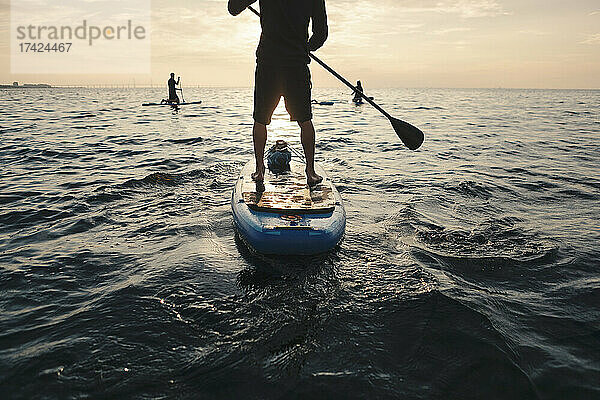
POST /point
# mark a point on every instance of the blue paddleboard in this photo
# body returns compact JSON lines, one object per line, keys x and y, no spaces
{"x":286,"y":217}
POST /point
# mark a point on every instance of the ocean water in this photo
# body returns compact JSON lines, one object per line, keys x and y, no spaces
{"x":470,"y":268}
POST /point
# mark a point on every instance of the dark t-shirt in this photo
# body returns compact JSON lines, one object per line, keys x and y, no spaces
{"x":284,"y":38}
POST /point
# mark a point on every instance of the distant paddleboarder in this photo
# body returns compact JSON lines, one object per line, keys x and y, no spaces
{"x":357,"y":97}
{"x":172,"y":84}
{"x":282,"y":70}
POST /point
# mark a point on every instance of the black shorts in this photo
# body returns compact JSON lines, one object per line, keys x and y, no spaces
{"x":293,"y":83}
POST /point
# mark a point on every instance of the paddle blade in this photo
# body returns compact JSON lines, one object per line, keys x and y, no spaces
{"x":410,"y":135}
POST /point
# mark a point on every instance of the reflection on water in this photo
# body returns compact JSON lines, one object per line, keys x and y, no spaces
{"x":468,"y":270}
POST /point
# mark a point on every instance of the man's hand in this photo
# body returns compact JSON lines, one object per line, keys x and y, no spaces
{"x":319,"y":26}
{"x":235,"y":7}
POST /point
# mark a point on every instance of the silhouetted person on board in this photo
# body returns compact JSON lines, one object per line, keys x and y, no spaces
{"x":357,"y":97}
{"x":282,"y":70}
{"x":172,"y":84}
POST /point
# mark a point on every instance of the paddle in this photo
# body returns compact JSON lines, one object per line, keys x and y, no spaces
{"x":410,"y":135}
{"x":181,"y":90}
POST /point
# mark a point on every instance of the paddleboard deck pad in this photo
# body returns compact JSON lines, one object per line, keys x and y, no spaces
{"x":283,"y":216}
{"x":172,"y":104}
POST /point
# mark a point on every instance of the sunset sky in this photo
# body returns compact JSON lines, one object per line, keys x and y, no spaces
{"x":385,"y":43}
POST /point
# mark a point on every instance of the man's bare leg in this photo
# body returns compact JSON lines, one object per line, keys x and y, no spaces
{"x":259,"y":134}
{"x":307,"y":135}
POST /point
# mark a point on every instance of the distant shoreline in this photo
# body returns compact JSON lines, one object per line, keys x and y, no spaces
{"x":27,"y":86}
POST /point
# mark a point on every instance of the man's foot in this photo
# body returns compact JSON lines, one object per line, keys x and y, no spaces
{"x":314,"y":182}
{"x":312,"y":179}
{"x":259,"y":175}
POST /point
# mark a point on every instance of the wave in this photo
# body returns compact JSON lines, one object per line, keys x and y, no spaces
{"x":193,"y":140}
{"x":156,"y":178}
{"x":82,"y":115}
{"x":492,"y":241}
{"x":428,"y":108}
{"x":33,"y":216}
{"x":472,"y":189}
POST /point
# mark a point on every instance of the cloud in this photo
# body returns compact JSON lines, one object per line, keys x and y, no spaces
{"x":186,"y":30}
{"x":592,"y":39}
{"x":461,"y":8}
{"x":206,"y":30}
{"x":534,"y":32}
{"x":595,"y":12}
{"x":450,"y":30}
{"x":457,"y":44}
{"x":464,"y":8}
